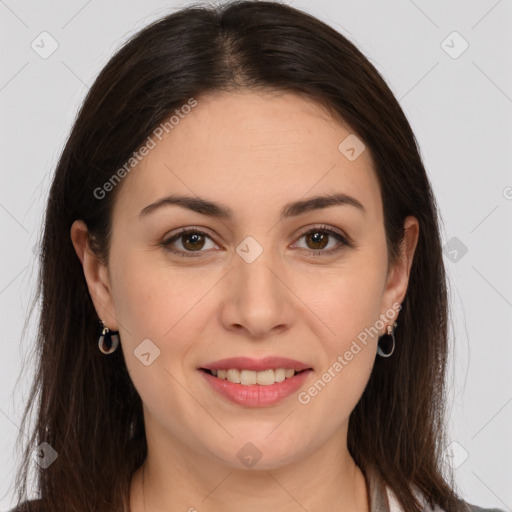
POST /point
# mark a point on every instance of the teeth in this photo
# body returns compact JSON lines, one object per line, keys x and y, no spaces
{"x":248,"y":377}
{"x":233,"y":376}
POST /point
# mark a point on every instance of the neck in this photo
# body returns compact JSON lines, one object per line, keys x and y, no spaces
{"x":211,"y":487}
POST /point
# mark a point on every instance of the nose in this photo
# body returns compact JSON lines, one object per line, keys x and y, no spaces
{"x":257,"y":298}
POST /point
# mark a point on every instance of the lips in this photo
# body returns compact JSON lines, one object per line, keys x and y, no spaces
{"x":255,"y":382}
{"x":256,"y":365}
{"x":256,"y":395}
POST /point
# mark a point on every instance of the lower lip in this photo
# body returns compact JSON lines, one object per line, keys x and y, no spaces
{"x":255,"y":395}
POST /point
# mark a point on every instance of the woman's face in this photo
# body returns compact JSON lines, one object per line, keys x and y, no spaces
{"x":253,"y":283}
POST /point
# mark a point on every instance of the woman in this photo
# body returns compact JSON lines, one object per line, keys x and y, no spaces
{"x":243,"y":292}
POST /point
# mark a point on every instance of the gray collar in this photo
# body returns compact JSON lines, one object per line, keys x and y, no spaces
{"x":376,"y":487}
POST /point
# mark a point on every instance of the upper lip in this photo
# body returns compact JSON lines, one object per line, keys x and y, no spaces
{"x":257,"y":365}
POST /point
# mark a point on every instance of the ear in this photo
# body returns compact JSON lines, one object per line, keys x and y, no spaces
{"x":398,"y":275}
{"x":96,"y":275}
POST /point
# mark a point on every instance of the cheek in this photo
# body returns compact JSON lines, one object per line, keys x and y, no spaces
{"x":157,"y":303}
{"x":150,"y":296}
{"x":161,"y":303}
{"x":350,"y":310}
{"x":355,"y":295}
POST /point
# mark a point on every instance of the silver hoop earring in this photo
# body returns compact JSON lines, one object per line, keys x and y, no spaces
{"x":387,"y":337}
{"x":109,"y":340}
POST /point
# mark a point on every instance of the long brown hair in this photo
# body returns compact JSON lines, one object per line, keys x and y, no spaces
{"x":87,"y":407}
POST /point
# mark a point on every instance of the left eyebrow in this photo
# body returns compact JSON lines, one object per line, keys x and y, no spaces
{"x":212,"y":209}
{"x":319,"y":202}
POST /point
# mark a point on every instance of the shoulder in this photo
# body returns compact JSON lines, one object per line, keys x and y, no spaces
{"x":469,"y":507}
{"x":383,"y":499}
{"x":475,"y":508}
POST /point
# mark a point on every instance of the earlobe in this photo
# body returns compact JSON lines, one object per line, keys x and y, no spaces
{"x":95,"y":273}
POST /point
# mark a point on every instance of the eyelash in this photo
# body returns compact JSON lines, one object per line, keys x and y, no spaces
{"x":316,"y":252}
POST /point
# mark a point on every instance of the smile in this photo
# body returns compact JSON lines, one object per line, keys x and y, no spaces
{"x":253,"y":394}
{"x":249,"y":377}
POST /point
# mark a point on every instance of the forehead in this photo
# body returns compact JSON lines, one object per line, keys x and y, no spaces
{"x":253,"y":151}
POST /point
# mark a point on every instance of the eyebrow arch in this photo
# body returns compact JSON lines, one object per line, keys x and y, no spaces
{"x":216,"y":210}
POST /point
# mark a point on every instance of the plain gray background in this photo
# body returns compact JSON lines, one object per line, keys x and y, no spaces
{"x":459,"y":102}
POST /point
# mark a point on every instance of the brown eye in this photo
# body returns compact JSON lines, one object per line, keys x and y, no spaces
{"x":191,"y":241}
{"x":318,"y":238}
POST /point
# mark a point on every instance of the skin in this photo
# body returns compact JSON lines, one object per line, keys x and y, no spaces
{"x":253,"y":152}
